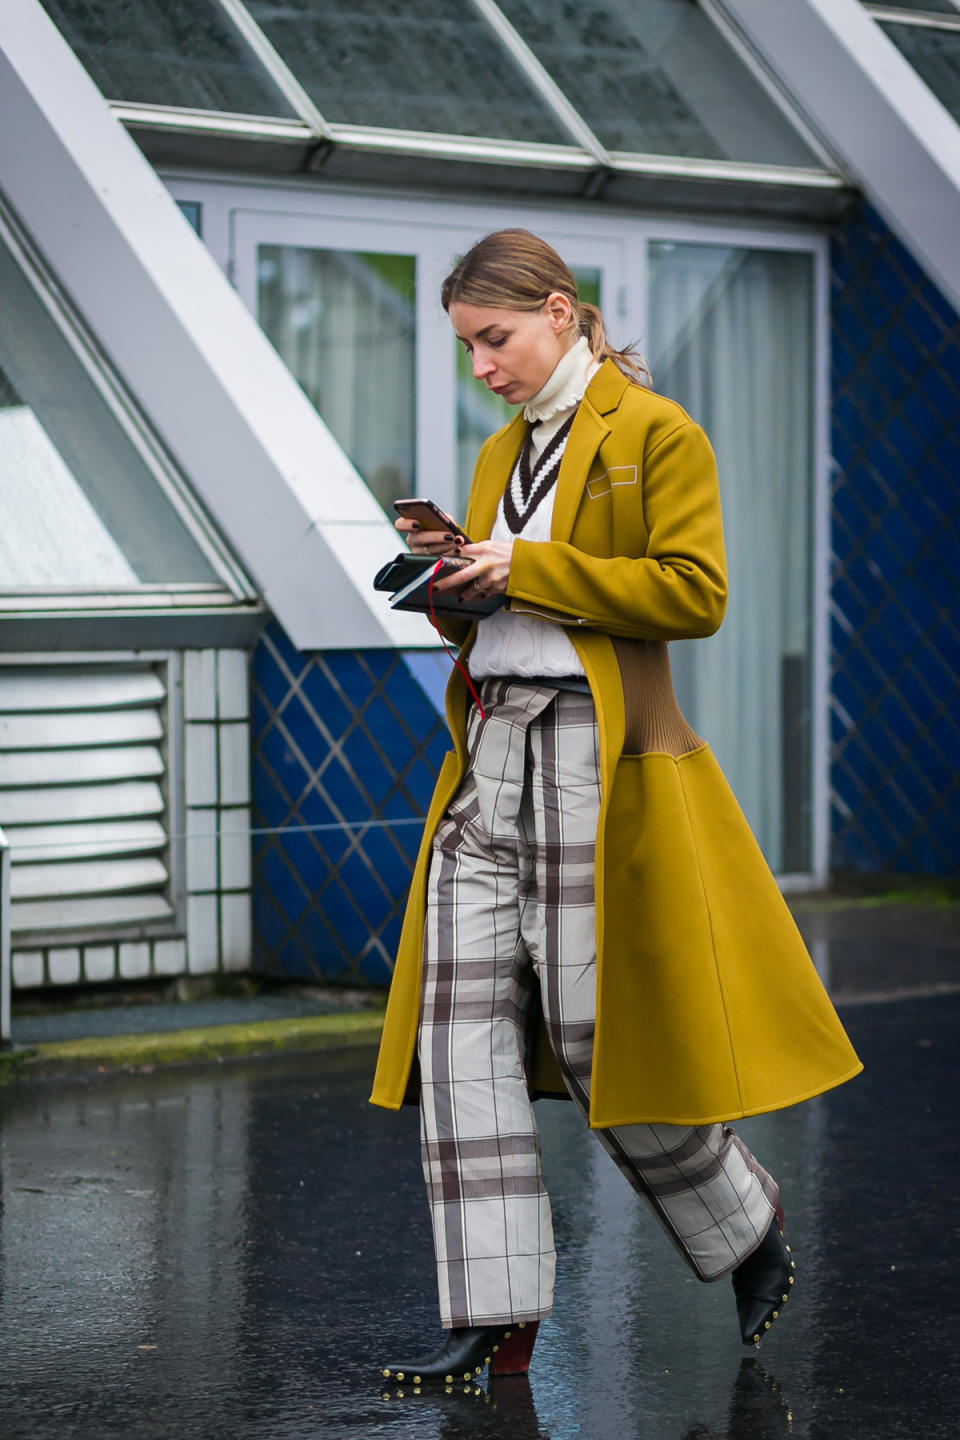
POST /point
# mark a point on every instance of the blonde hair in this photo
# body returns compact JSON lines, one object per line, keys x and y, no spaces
{"x":516,"y":270}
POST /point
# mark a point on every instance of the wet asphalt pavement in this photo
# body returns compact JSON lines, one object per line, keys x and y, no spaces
{"x":230,"y":1252}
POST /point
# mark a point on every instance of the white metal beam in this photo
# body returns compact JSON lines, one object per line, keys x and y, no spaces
{"x":542,"y":81}
{"x":259,"y":457}
{"x":889,"y":130}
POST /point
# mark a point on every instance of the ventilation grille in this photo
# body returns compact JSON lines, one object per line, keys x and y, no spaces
{"x":82,"y":796}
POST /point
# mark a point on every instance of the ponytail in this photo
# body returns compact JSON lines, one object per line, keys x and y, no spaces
{"x":630,"y":361}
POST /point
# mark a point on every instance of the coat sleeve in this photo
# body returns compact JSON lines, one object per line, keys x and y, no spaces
{"x":676,"y":590}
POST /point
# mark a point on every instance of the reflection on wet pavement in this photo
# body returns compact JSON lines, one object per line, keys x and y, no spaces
{"x":230,"y":1252}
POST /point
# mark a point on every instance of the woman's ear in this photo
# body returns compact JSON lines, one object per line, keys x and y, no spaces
{"x":559,"y":311}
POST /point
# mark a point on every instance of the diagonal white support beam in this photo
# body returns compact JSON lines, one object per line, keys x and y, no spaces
{"x":874,"y":112}
{"x":281,"y":490}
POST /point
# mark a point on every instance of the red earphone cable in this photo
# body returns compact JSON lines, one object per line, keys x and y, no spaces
{"x":436,"y":625}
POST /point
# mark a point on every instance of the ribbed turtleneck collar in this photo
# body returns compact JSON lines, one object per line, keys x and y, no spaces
{"x":566,"y":386}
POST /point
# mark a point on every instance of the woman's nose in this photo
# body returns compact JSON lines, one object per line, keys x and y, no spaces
{"x":482,"y":365}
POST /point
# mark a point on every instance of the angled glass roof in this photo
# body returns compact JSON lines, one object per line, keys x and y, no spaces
{"x":167,"y":52}
{"x":934,"y":53}
{"x":641,"y":80}
{"x":431,"y":65}
{"x":656,"y":76}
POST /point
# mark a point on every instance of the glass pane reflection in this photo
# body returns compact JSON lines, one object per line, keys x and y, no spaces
{"x":731,"y":339}
{"x":657,"y":77}
{"x":431,"y":65}
{"x":935,"y":55}
{"x":78,"y":505}
{"x":345,"y":323}
{"x":167,"y":52}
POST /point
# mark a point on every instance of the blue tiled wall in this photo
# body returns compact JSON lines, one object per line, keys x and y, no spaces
{"x":346,"y":749}
{"x":895,"y":596}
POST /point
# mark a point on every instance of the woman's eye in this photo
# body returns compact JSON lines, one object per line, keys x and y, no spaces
{"x":495,"y":344}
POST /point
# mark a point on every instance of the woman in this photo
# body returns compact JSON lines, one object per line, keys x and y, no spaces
{"x":589,"y":912}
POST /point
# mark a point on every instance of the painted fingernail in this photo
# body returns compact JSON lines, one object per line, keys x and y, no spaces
{"x":415,"y":524}
{"x":448,"y":537}
{"x":459,"y":540}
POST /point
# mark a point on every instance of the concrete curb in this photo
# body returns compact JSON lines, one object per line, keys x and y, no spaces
{"x":97,"y":1054}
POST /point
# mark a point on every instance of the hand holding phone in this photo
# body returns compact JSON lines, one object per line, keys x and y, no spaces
{"x":431,"y":520}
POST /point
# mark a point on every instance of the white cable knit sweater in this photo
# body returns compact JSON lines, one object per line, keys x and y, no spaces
{"x":514,"y":644}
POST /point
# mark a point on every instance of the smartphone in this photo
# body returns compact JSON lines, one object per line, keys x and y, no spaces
{"x":429,"y":516}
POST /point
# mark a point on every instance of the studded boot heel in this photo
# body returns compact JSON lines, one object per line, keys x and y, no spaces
{"x":466,"y":1351}
{"x":762,"y":1282}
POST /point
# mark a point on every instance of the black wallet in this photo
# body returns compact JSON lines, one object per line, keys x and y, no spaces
{"x":407,"y":577}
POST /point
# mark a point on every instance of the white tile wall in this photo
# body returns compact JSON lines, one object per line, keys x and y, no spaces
{"x":234,"y":764}
{"x":236,"y":934}
{"x":63,"y":966}
{"x":203,"y":946}
{"x":99,"y":962}
{"x":202,"y":826}
{"x":169,"y":957}
{"x":232,"y":685}
{"x":235,"y":850}
{"x":200,"y":684}
{"x":216,"y":777}
{"x":135,"y":960}
{"x":27,"y":968}
{"x":201,"y":763}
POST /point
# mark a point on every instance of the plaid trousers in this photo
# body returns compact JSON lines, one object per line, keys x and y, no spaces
{"x":510,"y":905}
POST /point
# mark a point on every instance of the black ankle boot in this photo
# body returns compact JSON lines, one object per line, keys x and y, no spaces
{"x":462,"y":1355}
{"x":762,"y":1283}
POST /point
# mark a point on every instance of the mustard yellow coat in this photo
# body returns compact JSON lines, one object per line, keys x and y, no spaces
{"x":708,"y":1005}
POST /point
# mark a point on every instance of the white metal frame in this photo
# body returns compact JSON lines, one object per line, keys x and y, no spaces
{"x":238,"y":215}
{"x":927,"y":20}
{"x":890,"y":132}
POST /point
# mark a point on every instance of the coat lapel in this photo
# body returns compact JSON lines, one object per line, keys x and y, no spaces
{"x":497,"y":469}
{"x":587,"y":434}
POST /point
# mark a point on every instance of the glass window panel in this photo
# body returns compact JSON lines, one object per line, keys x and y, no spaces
{"x":431,"y":65}
{"x":480,"y":412}
{"x":935,"y":55}
{"x":193,"y":213}
{"x":167,"y":52}
{"x":78,"y":505}
{"x":730,"y":338}
{"x":657,"y":77}
{"x":345,"y":323}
